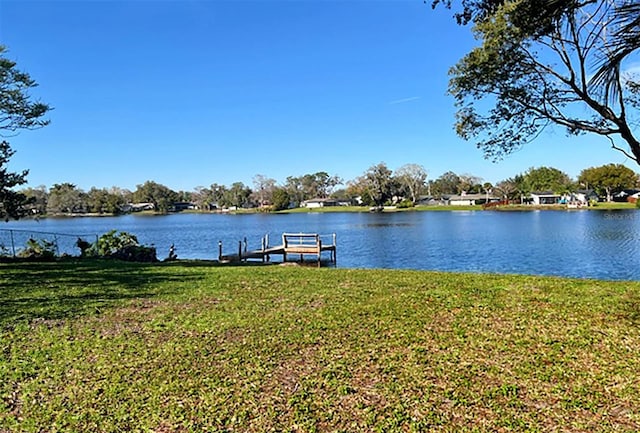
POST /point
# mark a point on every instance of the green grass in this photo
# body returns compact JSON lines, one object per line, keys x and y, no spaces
{"x":448,"y":208}
{"x":513,"y":207}
{"x":326,"y":209}
{"x":613,"y":206}
{"x":330,"y":209}
{"x":191,"y":347}
{"x":598,"y":207}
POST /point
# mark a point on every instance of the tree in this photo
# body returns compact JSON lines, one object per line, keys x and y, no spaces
{"x":447,"y":183}
{"x":184,"y":196}
{"x":280,"y":198}
{"x":17,"y":111}
{"x":308,"y":186}
{"x":105,"y":201}
{"x":263,"y":188}
{"x":513,"y":188}
{"x":359,"y":189}
{"x":36,"y":200}
{"x":624,"y":41}
{"x":609,"y":179}
{"x":209,"y":198}
{"x":413,"y":178}
{"x":547,"y":179}
{"x":379,"y":183}
{"x":293,"y":185}
{"x":323,"y":184}
{"x":65,"y":198}
{"x":341,"y":194}
{"x":472,"y":10}
{"x":237,"y":195}
{"x":547,"y":62}
{"x":218,"y":193}
{"x":161,"y":196}
{"x":11,"y":202}
{"x":202,"y":197}
{"x":469,"y":184}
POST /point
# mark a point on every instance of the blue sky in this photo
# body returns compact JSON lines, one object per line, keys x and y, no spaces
{"x":191,"y":93}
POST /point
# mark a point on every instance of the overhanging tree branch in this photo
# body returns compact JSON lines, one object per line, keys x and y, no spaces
{"x":508,"y":70}
{"x":619,"y":149}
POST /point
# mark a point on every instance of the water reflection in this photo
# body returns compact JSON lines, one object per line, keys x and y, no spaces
{"x":387,"y":224}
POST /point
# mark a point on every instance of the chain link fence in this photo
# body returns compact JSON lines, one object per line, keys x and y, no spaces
{"x":13,"y":241}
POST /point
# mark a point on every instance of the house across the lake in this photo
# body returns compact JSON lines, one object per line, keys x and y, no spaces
{"x":545,"y":197}
{"x":182,"y":205}
{"x":471,"y":199}
{"x":137,"y":207}
{"x":325,"y":202}
{"x":428,"y":200}
{"x":630,"y":195}
{"x":583,"y":196}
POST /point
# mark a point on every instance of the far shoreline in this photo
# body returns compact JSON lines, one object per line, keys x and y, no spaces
{"x":357,"y":209}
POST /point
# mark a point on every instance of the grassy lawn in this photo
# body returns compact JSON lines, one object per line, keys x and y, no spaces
{"x":614,"y":206}
{"x":513,"y":207}
{"x":191,"y":347}
{"x":365,"y":209}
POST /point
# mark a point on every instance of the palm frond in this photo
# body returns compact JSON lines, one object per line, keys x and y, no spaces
{"x":624,"y":41}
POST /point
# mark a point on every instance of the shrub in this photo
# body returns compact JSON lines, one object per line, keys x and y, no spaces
{"x":85,"y":247}
{"x":38,"y":249}
{"x":119,"y":245}
{"x":136,"y":253}
{"x":113,"y":241}
{"x":405,"y":204}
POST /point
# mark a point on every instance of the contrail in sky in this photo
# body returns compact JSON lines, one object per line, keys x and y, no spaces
{"x":402,"y":101}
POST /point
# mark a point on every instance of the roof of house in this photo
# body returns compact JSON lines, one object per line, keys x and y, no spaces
{"x":321,"y":200}
{"x":545,"y":194}
{"x":626,"y":192}
{"x":478,"y":196}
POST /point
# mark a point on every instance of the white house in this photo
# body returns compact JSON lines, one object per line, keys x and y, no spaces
{"x":471,"y":199}
{"x":319,"y":202}
{"x":545,"y":197}
{"x":137,"y":207}
{"x":582,"y":196}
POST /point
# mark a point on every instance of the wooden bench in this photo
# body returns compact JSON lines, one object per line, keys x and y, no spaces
{"x":306,"y":243}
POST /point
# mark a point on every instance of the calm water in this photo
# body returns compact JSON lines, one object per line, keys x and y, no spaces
{"x":589,"y":244}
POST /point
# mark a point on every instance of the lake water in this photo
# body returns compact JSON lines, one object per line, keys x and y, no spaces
{"x":586,"y":244}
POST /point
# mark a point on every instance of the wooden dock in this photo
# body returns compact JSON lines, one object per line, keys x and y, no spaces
{"x":293,"y":245}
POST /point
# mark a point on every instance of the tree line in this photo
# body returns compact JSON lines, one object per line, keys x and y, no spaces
{"x":377,"y":186}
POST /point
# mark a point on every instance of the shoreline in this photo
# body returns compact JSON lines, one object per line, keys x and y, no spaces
{"x":361,"y":209}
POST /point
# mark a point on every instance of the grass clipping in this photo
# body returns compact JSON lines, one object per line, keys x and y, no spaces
{"x":185,"y":347}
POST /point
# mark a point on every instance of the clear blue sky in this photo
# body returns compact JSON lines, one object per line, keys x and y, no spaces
{"x":189,"y":93}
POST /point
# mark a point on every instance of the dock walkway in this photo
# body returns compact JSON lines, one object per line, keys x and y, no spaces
{"x":297,"y":244}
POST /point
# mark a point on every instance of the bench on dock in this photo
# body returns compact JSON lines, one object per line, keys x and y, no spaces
{"x":306,"y":243}
{"x":292,"y":243}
